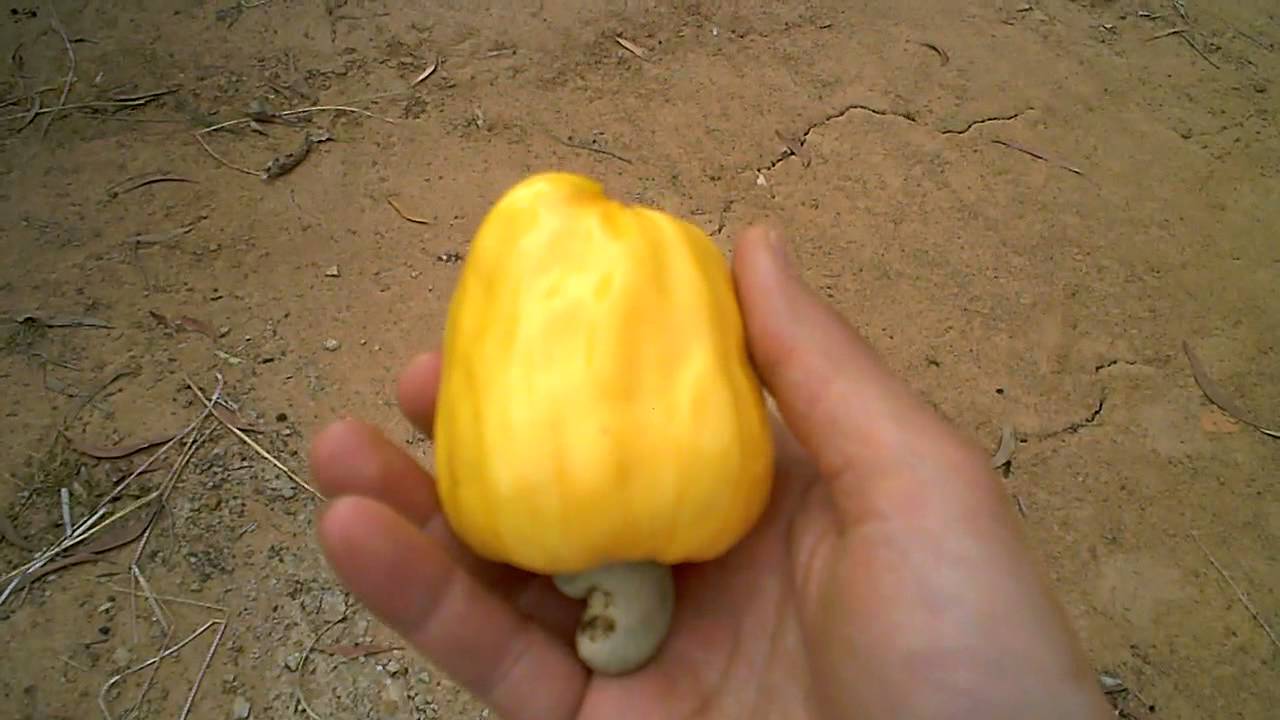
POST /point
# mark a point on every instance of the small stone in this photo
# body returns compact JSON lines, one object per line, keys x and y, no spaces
{"x":332,"y":271}
{"x":121,"y":657}
{"x":240,"y":708}
{"x":424,"y":678}
{"x":332,"y":344}
{"x":415,"y":274}
{"x":293,"y":661}
{"x":394,"y":668}
{"x":224,"y":331}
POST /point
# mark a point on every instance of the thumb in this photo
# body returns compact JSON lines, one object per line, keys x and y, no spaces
{"x":838,"y":399}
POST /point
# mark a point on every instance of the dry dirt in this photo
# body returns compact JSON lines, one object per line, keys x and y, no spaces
{"x":1049,"y":293}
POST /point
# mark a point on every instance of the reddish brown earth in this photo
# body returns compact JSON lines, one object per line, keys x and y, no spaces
{"x":1052,"y":294}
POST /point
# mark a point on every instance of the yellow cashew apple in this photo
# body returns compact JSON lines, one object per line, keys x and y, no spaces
{"x":597,"y":406}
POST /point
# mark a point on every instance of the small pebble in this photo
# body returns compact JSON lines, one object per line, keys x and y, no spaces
{"x":240,"y":708}
{"x":332,"y":271}
{"x":121,"y":657}
{"x":293,"y":661}
{"x":332,"y":344}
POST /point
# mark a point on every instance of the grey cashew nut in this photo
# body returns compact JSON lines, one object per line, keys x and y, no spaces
{"x":628,"y":613}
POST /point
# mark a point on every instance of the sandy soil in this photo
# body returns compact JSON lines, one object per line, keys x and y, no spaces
{"x":1028,"y":219}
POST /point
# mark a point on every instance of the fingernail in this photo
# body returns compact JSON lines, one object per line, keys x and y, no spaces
{"x":779,"y":247}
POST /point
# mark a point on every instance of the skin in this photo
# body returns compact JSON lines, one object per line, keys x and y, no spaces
{"x":889,"y":577}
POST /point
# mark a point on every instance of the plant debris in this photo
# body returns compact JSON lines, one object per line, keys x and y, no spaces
{"x":123,"y":450}
{"x":287,"y":163}
{"x":159,"y":238}
{"x":431,"y":69}
{"x":1008,"y":442}
{"x":1038,"y":156}
{"x":1218,"y":396}
{"x":60,"y":321}
{"x":1167,"y":33}
{"x":942,"y":54}
{"x":400,"y":211}
{"x":591,"y":148}
{"x":352,"y":652}
{"x":130,"y":184}
{"x":632,"y":48}
{"x":184,"y":323}
{"x":1244,"y":599}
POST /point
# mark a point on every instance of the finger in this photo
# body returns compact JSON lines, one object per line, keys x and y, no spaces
{"x":417,"y":589}
{"x":416,"y":391}
{"x":350,"y":457}
{"x":844,"y":406}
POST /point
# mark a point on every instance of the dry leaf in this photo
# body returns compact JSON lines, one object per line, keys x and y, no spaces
{"x":190,"y":324}
{"x":1218,"y":396}
{"x":122,"y":450}
{"x":632,"y":48}
{"x":1008,"y":441}
{"x":426,"y":73}
{"x":232,"y":418}
{"x":133,"y":183}
{"x":57,"y":565}
{"x":123,"y":530}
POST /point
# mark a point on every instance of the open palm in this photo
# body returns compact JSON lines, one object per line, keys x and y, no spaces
{"x":888,"y":577}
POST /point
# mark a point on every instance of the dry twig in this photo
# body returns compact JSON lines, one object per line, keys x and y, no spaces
{"x":204,"y":668}
{"x":249,"y":441}
{"x":303,"y":662}
{"x":400,"y":211}
{"x":102,"y":694}
{"x":1239,"y":593}
{"x":71,"y":66}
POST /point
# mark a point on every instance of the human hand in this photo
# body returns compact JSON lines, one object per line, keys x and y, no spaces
{"x":887,"y":579}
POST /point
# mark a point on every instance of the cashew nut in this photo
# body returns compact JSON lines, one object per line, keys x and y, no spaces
{"x":628,"y":613}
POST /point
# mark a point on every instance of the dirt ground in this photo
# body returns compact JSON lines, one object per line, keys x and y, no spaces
{"x":1027,"y":207}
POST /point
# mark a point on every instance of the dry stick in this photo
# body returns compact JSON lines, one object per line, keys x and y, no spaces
{"x":102,"y":701}
{"x":172,"y":598}
{"x":71,"y":69}
{"x":84,"y":534}
{"x":204,"y":667}
{"x":169,"y":482}
{"x":287,"y":113}
{"x":303,"y":663}
{"x":224,"y":161}
{"x":151,"y":597}
{"x":86,"y":528}
{"x":151,"y":678}
{"x":249,"y":441}
{"x":80,"y":106}
{"x":591,"y":148}
{"x":1200,"y":52}
{"x":400,"y":211}
{"x":1239,"y":593}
